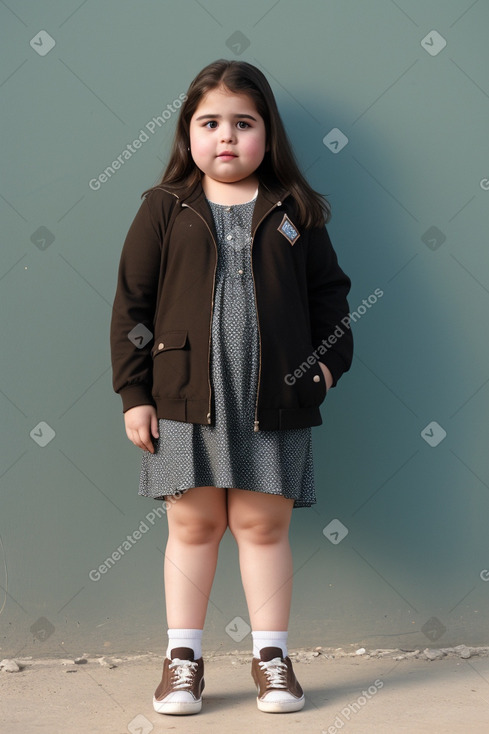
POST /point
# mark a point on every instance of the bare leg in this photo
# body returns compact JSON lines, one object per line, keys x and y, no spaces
{"x":260,"y":523}
{"x":196,"y":523}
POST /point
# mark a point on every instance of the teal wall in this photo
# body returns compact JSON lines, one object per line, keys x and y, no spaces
{"x":409,"y":193}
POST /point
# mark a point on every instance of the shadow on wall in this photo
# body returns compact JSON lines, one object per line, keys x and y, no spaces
{"x":394,"y":466}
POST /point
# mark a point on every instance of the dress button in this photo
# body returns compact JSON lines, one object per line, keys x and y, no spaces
{"x":228,"y":208}
{"x":229,"y":237}
{"x":161,"y":345}
{"x":240,"y":272}
{"x":316,"y":378}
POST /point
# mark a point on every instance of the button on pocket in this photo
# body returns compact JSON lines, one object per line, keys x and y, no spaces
{"x":170,"y":340}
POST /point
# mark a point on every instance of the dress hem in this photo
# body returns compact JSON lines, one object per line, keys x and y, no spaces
{"x":297,"y":502}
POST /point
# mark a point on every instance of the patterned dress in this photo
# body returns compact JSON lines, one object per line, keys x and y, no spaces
{"x":230,"y":453}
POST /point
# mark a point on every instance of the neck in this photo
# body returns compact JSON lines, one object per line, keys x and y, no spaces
{"x":238,"y":192}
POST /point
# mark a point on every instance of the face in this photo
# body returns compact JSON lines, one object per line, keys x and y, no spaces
{"x":227,"y":136}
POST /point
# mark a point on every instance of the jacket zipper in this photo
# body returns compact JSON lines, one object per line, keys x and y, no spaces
{"x":212,"y":313}
{"x":256,"y":423}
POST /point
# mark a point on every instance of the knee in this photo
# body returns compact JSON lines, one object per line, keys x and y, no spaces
{"x":258,"y":531}
{"x":199,"y":530}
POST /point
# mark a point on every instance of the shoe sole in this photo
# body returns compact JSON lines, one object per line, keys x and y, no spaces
{"x":280,"y":707}
{"x":177,"y":709}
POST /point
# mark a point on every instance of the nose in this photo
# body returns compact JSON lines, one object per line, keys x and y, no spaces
{"x":227,"y":134}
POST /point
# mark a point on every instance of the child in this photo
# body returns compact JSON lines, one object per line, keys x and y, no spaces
{"x":228,"y":265}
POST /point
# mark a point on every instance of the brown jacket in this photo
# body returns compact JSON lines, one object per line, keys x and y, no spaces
{"x":162,"y":313}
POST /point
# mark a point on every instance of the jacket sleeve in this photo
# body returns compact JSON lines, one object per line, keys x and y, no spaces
{"x":328,"y":287}
{"x":131,"y":336}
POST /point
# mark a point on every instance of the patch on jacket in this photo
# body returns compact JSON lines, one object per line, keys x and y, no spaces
{"x":288,"y":230}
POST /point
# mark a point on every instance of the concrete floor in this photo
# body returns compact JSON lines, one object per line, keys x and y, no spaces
{"x":447,"y":696}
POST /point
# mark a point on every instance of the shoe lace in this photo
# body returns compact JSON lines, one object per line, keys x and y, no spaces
{"x":275,"y":671}
{"x":183,"y":672}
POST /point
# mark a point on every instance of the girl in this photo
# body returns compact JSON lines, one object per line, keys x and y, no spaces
{"x":225,"y":338}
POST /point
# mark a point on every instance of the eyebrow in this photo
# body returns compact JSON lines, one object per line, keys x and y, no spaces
{"x":219,"y":117}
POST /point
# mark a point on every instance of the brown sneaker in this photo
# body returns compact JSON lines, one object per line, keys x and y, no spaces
{"x":278,"y":689}
{"x":182,"y":683}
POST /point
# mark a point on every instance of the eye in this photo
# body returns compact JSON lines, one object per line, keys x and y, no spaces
{"x":211,"y":123}
{"x":243,"y":124}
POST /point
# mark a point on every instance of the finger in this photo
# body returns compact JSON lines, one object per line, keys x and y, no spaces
{"x":133,"y":437}
{"x":145,"y":440}
{"x":154,"y":425}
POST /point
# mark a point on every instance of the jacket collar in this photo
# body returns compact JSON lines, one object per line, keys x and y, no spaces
{"x":269,"y":194}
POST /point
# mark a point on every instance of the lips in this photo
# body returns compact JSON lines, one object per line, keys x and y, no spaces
{"x":227,"y":154}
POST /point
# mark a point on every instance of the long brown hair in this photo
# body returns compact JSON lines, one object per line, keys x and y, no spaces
{"x":279,"y":162}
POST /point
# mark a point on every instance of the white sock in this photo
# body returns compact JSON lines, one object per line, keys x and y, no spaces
{"x":185,"y":638}
{"x":269,"y":639}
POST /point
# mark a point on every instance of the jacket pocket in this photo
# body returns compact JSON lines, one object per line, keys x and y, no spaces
{"x":305,"y":379}
{"x":322,"y":381}
{"x":171,"y":363}
{"x":315,"y":385}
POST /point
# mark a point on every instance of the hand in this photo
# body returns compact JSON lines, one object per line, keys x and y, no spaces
{"x":327,"y":375}
{"x":142,"y":423}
